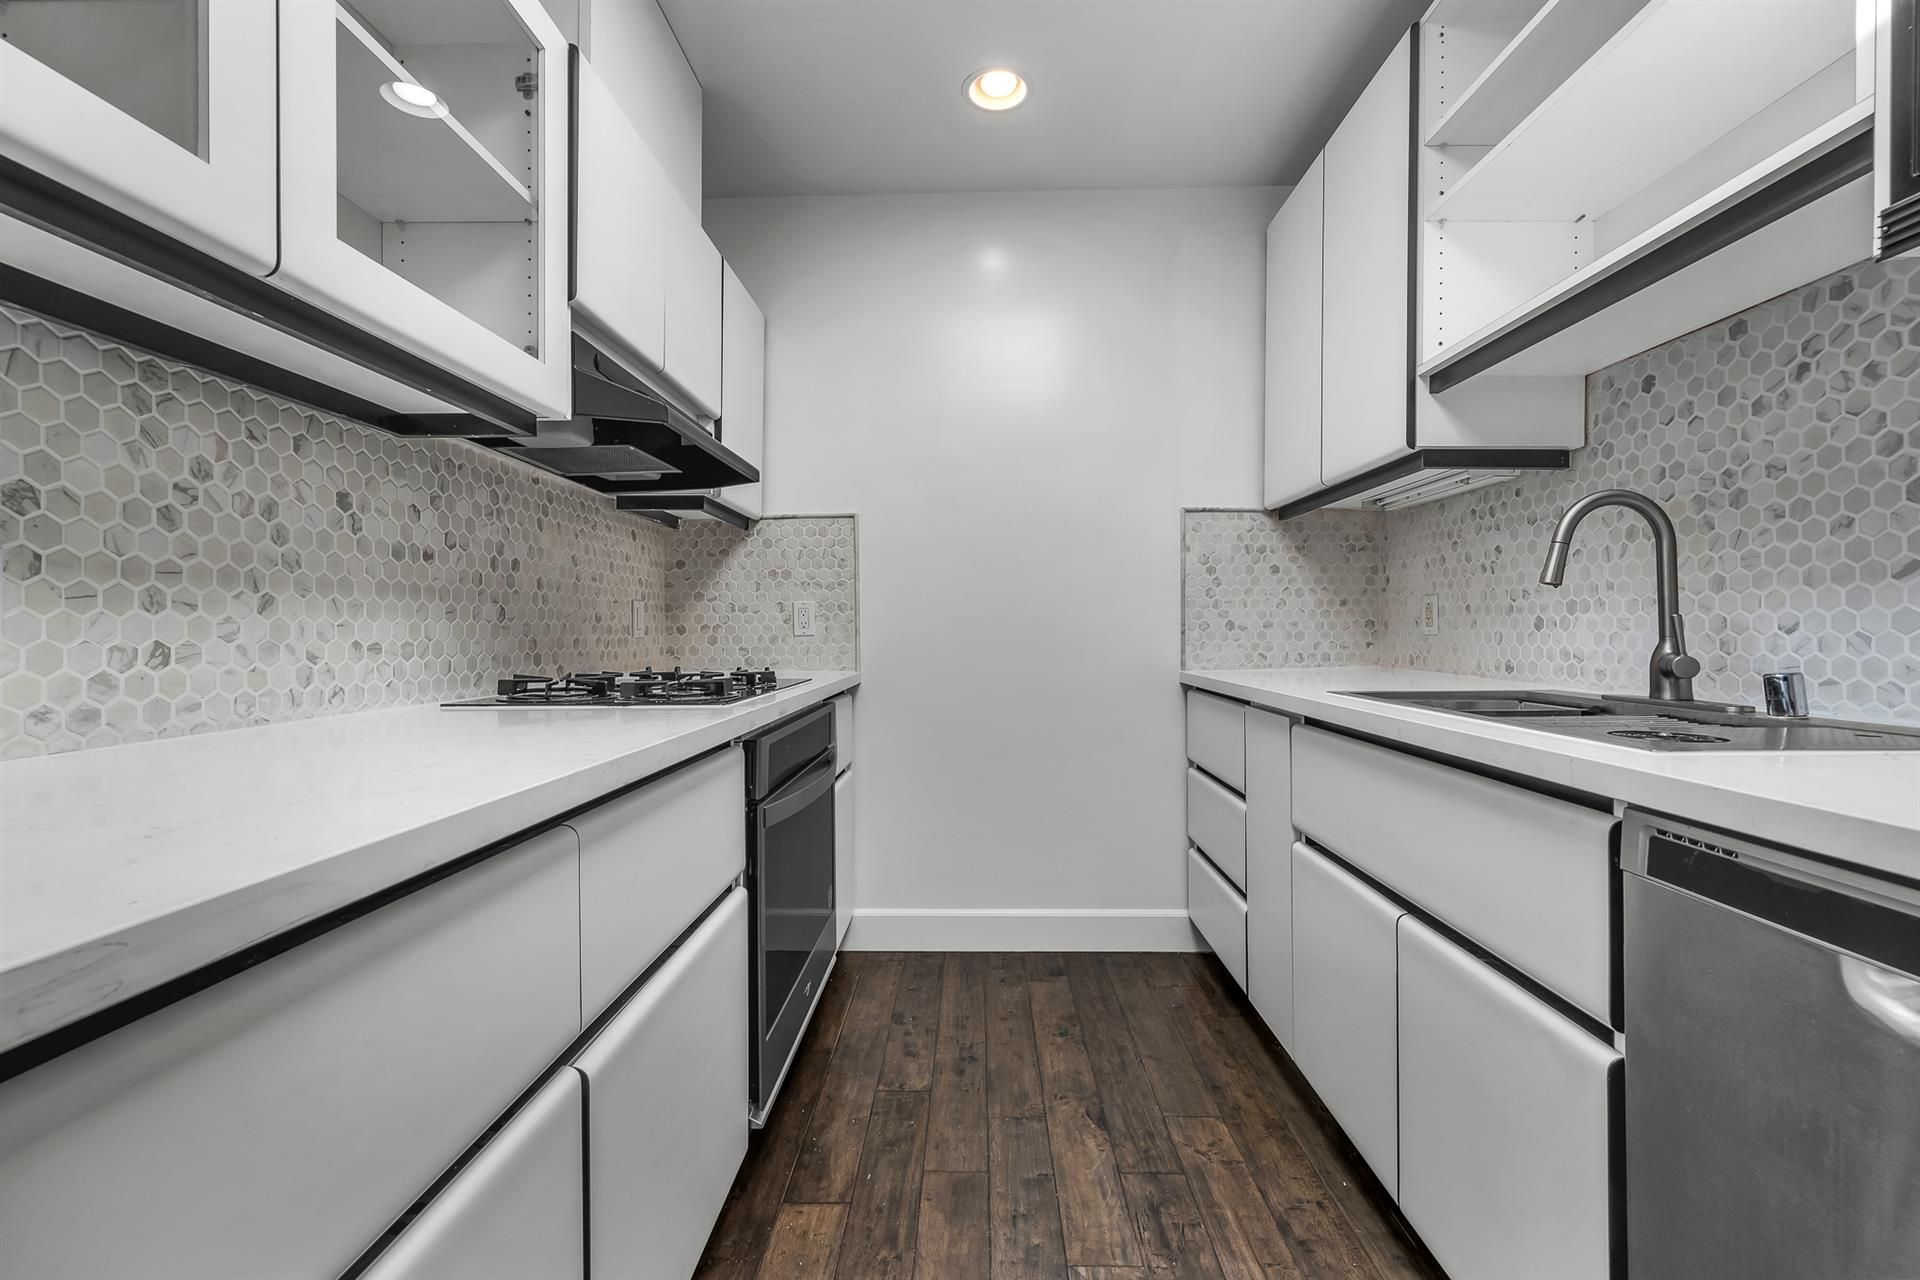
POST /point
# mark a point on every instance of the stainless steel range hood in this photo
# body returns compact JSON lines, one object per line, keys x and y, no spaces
{"x":623,"y":438}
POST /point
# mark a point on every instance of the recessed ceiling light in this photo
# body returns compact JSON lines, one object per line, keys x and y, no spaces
{"x":414,"y":99}
{"x":996,"y":89}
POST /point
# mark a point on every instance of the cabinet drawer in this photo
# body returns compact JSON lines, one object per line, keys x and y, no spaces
{"x":276,"y":1123}
{"x":1504,"y":1121}
{"x":1219,"y":913}
{"x":650,"y":861}
{"x":1344,"y":998}
{"x":1526,"y":876}
{"x":667,"y":1106}
{"x":1217,"y":822}
{"x":1216,"y":737}
{"x":519,"y":1208}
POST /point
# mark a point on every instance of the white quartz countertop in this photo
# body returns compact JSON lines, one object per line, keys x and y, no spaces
{"x":1861,"y":807}
{"x":124,"y":867}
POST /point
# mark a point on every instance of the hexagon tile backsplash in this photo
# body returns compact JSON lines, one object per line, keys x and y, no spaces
{"x":1785,"y":444}
{"x":730,"y":594}
{"x":1257,"y":592}
{"x":179,"y":553}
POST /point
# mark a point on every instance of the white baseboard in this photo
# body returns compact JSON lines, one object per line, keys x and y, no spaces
{"x":1021,"y":929}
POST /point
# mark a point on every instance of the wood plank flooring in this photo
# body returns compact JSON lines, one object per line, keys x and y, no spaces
{"x":1047,"y":1117}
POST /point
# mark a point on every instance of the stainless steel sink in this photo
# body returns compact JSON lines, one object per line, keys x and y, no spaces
{"x":1654,"y":725}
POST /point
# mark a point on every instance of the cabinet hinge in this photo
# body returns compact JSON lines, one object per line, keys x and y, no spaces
{"x":528,"y":83}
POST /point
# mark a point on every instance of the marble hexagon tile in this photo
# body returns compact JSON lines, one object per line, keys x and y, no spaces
{"x":730,"y":594}
{"x":179,"y":553}
{"x":1784,"y":442}
{"x":1257,"y":592}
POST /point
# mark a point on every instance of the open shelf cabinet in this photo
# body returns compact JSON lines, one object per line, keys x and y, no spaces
{"x":1555,"y":39}
{"x":1682,"y":131}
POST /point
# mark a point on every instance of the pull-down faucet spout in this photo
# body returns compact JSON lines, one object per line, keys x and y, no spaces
{"x":1671,"y":669}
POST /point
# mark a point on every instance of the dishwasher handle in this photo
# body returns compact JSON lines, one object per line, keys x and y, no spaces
{"x":1874,"y":917}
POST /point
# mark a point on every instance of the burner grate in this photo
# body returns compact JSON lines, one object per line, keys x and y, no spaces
{"x":632,"y":688}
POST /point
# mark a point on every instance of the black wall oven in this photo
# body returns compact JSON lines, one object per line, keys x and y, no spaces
{"x":790,"y":773}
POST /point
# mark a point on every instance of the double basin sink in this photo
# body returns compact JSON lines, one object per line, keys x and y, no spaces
{"x":1654,"y":725}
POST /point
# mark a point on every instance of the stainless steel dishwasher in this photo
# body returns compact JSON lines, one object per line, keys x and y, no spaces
{"x":1773,"y":1062}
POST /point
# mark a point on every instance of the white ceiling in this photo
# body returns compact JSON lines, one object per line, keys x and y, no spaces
{"x":810,"y":97}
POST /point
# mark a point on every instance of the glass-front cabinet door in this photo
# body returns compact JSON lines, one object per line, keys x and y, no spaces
{"x":424,"y":182}
{"x":162,"y":109}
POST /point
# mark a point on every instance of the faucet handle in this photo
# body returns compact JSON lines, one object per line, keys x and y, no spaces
{"x":1681,"y":666}
{"x":1786,"y":693}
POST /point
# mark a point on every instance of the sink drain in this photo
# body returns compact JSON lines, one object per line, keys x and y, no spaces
{"x":1665,"y":735}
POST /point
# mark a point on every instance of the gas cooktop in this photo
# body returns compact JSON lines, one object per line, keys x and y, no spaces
{"x":649,"y":688}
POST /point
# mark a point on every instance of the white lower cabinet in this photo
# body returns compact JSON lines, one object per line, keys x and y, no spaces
{"x":843,"y":732}
{"x":1270,"y":870}
{"x":276,"y":1123}
{"x":1217,"y":823}
{"x":1216,"y":737}
{"x":1219,"y":913}
{"x":1504,"y":1130}
{"x":1344,"y":997}
{"x":519,"y":1208}
{"x":843,"y":854}
{"x":650,"y":862}
{"x":1524,"y":875}
{"x":667,"y":1106}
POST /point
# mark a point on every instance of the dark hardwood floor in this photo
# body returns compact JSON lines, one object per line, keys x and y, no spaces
{"x":1059,"y":1117}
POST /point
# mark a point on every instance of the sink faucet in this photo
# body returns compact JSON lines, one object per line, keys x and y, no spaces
{"x":1671,"y":670}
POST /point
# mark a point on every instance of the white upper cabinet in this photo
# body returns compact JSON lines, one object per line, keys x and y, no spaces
{"x":1600,"y":176}
{"x":621,"y":201}
{"x":743,"y":382}
{"x":162,"y":109}
{"x":693,"y":338}
{"x":1293,"y":340}
{"x":423,"y":180}
{"x":1366,"y":362}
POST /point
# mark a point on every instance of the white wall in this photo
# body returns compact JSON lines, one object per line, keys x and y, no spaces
{"x":630,"y":44}
{"x":1016,"y":393}
{"x":566,"y":16}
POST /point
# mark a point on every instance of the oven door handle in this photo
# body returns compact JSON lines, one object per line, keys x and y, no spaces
{"x":799,"y":793}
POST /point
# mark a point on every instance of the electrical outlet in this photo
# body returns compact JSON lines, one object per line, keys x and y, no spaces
{"x":803,"y":617}
{"x":1430,"y":615}
{"x":639,"y":623}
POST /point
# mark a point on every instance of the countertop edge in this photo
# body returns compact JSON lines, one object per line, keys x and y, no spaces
{"x":1800,"y":821}
{"x":47,"y":991}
